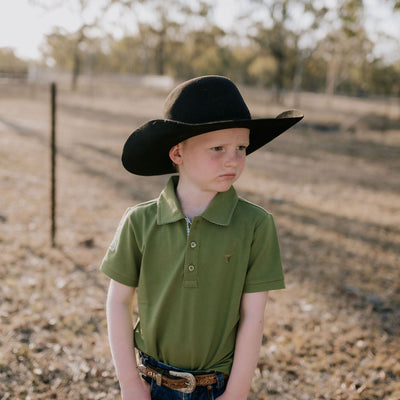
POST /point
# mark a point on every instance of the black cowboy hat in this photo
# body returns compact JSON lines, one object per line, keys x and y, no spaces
{"x":200,"y":105}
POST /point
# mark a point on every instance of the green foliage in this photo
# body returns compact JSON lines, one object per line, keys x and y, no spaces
{"x":395,"y":4}
{"x":314,"y":75}
{"x":268,"y":47}
{"x":384,"y":79}
{"x":58,"y":48}
{"x":9,"y":62}
{"x":262,"y":69}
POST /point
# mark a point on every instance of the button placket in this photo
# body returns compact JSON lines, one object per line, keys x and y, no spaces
{"x":190,"y":269}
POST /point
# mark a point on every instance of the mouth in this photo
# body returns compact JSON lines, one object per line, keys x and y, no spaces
{"x":228,"y":176}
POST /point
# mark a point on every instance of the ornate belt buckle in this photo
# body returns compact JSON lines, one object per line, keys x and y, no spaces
{"x":190,"y":381}
{"x":154,"y":375}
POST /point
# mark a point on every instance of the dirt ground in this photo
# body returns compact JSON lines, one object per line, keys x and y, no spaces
{"x":332,"y":185}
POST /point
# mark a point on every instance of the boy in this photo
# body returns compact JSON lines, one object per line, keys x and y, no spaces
{"x":202,"y":259}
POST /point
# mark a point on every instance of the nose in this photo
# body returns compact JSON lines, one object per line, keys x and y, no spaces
{"x":232,"y":159}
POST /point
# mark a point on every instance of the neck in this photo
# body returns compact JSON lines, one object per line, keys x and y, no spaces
{"x":193,"y":202}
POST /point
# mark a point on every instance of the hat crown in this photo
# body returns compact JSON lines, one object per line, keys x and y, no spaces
{"x":204,"y":100}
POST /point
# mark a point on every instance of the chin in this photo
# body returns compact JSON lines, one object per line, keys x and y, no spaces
{"x":224,"y":187}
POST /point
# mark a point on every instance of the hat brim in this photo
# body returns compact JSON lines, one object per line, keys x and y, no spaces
{"x":146,"y":151}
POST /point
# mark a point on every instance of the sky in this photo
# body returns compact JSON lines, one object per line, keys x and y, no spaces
{"x":22,"y":26}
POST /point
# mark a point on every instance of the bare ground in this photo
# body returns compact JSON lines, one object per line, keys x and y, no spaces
{"x":332,"y":185}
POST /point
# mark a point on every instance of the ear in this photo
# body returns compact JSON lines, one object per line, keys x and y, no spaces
{"x":175,"y":154}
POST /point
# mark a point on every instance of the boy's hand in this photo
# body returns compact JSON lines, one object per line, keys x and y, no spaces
{"x":136,"y":391}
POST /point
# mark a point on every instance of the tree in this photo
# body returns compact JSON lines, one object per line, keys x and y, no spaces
{"x":346,"y":46}
{"x":10,"y":63}
{"x":75,"y":42}
{"x":128,"y":55}
{"x":69,"y":51}
{"x":203,"y":53}
{"x":170,"y":21}
{"x":279,"y":32}
{"x":395,"y":4}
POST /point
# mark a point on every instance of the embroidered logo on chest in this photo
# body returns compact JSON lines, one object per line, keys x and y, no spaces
{"x":228,"y":257}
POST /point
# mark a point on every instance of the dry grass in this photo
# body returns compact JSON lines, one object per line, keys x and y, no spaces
{"x":332,"y":185}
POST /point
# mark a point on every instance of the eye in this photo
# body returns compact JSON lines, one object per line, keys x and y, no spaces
{"x":217,"y":148}
{"x":242,"y":148}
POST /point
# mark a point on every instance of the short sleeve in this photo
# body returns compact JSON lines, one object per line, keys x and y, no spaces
{"x":265,"y":267}
{"x":123,"y":258}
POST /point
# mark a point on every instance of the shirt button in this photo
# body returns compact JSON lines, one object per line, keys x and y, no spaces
{"x":193,"y":245}
{"x":191,"y":268}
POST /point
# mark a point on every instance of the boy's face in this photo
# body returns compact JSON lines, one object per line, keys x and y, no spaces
{"x":212,"y":161}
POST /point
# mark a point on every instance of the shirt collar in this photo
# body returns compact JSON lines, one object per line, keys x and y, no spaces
{"x":219,"y":212}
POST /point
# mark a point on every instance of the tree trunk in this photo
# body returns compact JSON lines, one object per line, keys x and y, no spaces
{"x":331,"y":75}
{"x":298,"y":79}
{"x":280,"y":74}
{"x":75,"y":70}
{"x":160,"y":51}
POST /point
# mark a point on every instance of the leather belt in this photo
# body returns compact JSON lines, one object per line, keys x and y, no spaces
{"x":184,"y":382}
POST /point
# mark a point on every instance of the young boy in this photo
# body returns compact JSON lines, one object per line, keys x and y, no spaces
{"x":202,"y":259}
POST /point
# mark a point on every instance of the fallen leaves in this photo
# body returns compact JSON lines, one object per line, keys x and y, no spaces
{"x":332,"y":334}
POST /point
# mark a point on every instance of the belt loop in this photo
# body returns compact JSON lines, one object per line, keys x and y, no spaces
{"x":220,"y":380}
{"x":144,"y":358}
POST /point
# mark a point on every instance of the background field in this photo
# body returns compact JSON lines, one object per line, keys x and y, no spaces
{"x":332,"y":185}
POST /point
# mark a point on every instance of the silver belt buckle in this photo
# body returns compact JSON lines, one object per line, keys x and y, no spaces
{"x":190,"y":381}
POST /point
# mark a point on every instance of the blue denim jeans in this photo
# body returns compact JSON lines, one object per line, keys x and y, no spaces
{"x":200,"y":393}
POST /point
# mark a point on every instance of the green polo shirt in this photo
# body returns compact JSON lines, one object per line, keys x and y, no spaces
{"x":190,"y":286}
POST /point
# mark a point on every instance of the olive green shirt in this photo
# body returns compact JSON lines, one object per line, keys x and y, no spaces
{"x":190,"y":285}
